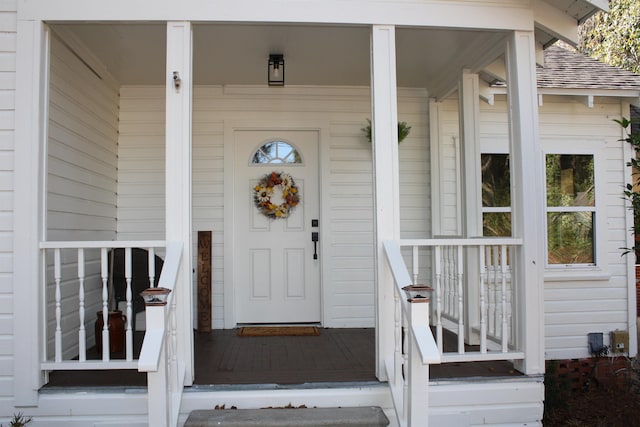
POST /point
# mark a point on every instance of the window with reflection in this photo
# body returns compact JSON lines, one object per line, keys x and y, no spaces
{"x":496,"y":195}
{"x":571,"y":208}
{"x":276,"y":152}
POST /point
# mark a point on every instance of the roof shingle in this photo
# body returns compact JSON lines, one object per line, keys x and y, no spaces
{"x":566,"y":69}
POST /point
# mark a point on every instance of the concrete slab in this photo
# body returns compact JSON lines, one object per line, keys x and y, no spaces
{"x":369,"y":416}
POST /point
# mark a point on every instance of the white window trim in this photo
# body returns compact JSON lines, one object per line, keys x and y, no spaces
{"x":582,"y":272}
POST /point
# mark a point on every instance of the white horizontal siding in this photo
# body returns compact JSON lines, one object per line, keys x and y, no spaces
{"x":575,"y":308}
{"x":346,"y":178}
{"x":81,"y":182}
{"x":8,"y":24}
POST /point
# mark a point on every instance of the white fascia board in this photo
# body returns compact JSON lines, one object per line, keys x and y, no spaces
{"x":604,"y":93}
{"x":477,"y":15}
{"x":555,"y":22}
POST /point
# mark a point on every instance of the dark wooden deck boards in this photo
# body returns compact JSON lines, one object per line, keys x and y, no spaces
{"x":336,"y":355}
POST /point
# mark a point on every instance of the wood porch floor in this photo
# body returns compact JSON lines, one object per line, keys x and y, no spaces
{"x":223,"y":358}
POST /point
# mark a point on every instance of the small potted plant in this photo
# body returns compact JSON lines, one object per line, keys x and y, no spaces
{"x":403,"y":130}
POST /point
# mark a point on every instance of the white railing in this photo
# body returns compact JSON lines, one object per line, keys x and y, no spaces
{"x":414,"y":348}
{"x":77,"y":278}
{"x":158,"y":357}
{"x":473,"y":295}
{"x":473,"y":291}
{"x":76,"y":281}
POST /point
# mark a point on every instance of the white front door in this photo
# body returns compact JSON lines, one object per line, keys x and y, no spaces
{"x":277,"y":276}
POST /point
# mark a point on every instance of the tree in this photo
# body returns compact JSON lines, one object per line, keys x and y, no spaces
{"x":614,"y":37}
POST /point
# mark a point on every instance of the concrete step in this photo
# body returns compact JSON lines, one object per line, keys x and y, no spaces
{"x":369,"y":416}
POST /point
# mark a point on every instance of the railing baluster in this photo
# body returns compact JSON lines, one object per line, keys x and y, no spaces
{"x":416,"y":265}
{"x":152,"y":267}
{"x":496,"y":277}
{"x":460,"y":271}
{"x":503,"y":271}
{"x":82,"y":335}
{"x":129,"y":297}
{"x":397,"y":327}
{"x":104,"y":272}
{"x":483,"y":308}
{"x":57,"y":276}
{"x":438,"y":267}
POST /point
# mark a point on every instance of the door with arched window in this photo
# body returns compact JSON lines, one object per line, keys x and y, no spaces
{"x":276,"y":263}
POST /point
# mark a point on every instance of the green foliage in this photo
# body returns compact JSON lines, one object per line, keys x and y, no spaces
{"x":614,"y":37}
{"x":403,"y":130}
{"x":632,"y":190}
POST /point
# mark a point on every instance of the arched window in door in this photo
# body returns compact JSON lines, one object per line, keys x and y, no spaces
{"x":276,"y":152}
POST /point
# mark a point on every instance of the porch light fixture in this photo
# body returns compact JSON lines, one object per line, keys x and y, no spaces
{"x":155,"y":296}
{"x":418,"y":293}
{"x":275,"y":70}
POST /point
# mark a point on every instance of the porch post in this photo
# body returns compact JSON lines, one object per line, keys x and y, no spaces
{"x":28,"y":220}
{"x":469,"y":96}
{"x":178,"y":177}
{"x":386,"y":180}
{"x":527,"y":178}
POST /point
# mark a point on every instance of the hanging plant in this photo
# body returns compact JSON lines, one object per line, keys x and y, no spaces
{"x":403,"y":130}
{"x":273,"y":188}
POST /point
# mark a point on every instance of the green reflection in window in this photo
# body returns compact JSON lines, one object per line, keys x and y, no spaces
{"x":276,"y":152}
{"x":570,"y":180}
{"x":570,"y":237}
{"x":496,"y":224}
{"x":496,"y":186}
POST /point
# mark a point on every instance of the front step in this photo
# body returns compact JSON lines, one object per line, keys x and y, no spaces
{"x":369,"y":416}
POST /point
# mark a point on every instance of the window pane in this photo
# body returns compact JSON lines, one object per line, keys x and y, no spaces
{"x":496,"y":186}
{"x":276,"y":152}
{"x":570,"y":237}
{"x":570,"y":180}
{"x":496,"y":224}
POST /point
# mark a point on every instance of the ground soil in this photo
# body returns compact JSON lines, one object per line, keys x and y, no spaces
{"x":599,"y":407}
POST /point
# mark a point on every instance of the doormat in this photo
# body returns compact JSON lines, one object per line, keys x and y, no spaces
{"x":278,"y":331}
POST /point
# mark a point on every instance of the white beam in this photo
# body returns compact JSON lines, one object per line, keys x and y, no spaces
{"x":386,"y":180}
{"x":443,"y":14}
{"x":586,"y":100}
{"x":485,"y":92}
{"x":496,"y":69}
{"x":527,"y":180}
{"x":555,"y":22}
{"x":178,"y":176}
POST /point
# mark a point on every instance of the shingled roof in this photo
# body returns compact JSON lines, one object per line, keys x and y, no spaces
{"x":567,"y":69}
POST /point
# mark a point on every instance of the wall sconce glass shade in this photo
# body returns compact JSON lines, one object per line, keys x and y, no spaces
{"x":155,"y":296}
{"x":275,"y":71}
{"x":418,"y":293}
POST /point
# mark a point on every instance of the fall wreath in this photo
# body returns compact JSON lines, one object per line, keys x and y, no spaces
{"x":272,"y":187}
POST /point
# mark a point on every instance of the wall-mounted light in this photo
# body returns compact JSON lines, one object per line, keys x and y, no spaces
{"x":275,"y":70}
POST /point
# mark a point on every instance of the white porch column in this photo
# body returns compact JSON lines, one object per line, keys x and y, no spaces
{"x":28,"y":224}
{"x":469,"y":99}
{"x":527,"y":179}
{"x":386,"y":179}
{"x":178,"y":177}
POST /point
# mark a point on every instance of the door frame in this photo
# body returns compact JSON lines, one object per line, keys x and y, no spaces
{"x":321,"y":126}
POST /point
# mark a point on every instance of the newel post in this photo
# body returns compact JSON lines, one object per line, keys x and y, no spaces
{"x":418,"y":378}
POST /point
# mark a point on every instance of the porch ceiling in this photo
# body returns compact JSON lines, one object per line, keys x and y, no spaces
{"x":134,"y":54}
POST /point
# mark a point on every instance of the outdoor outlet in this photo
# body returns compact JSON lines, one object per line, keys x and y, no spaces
{"x":619,"y":341}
